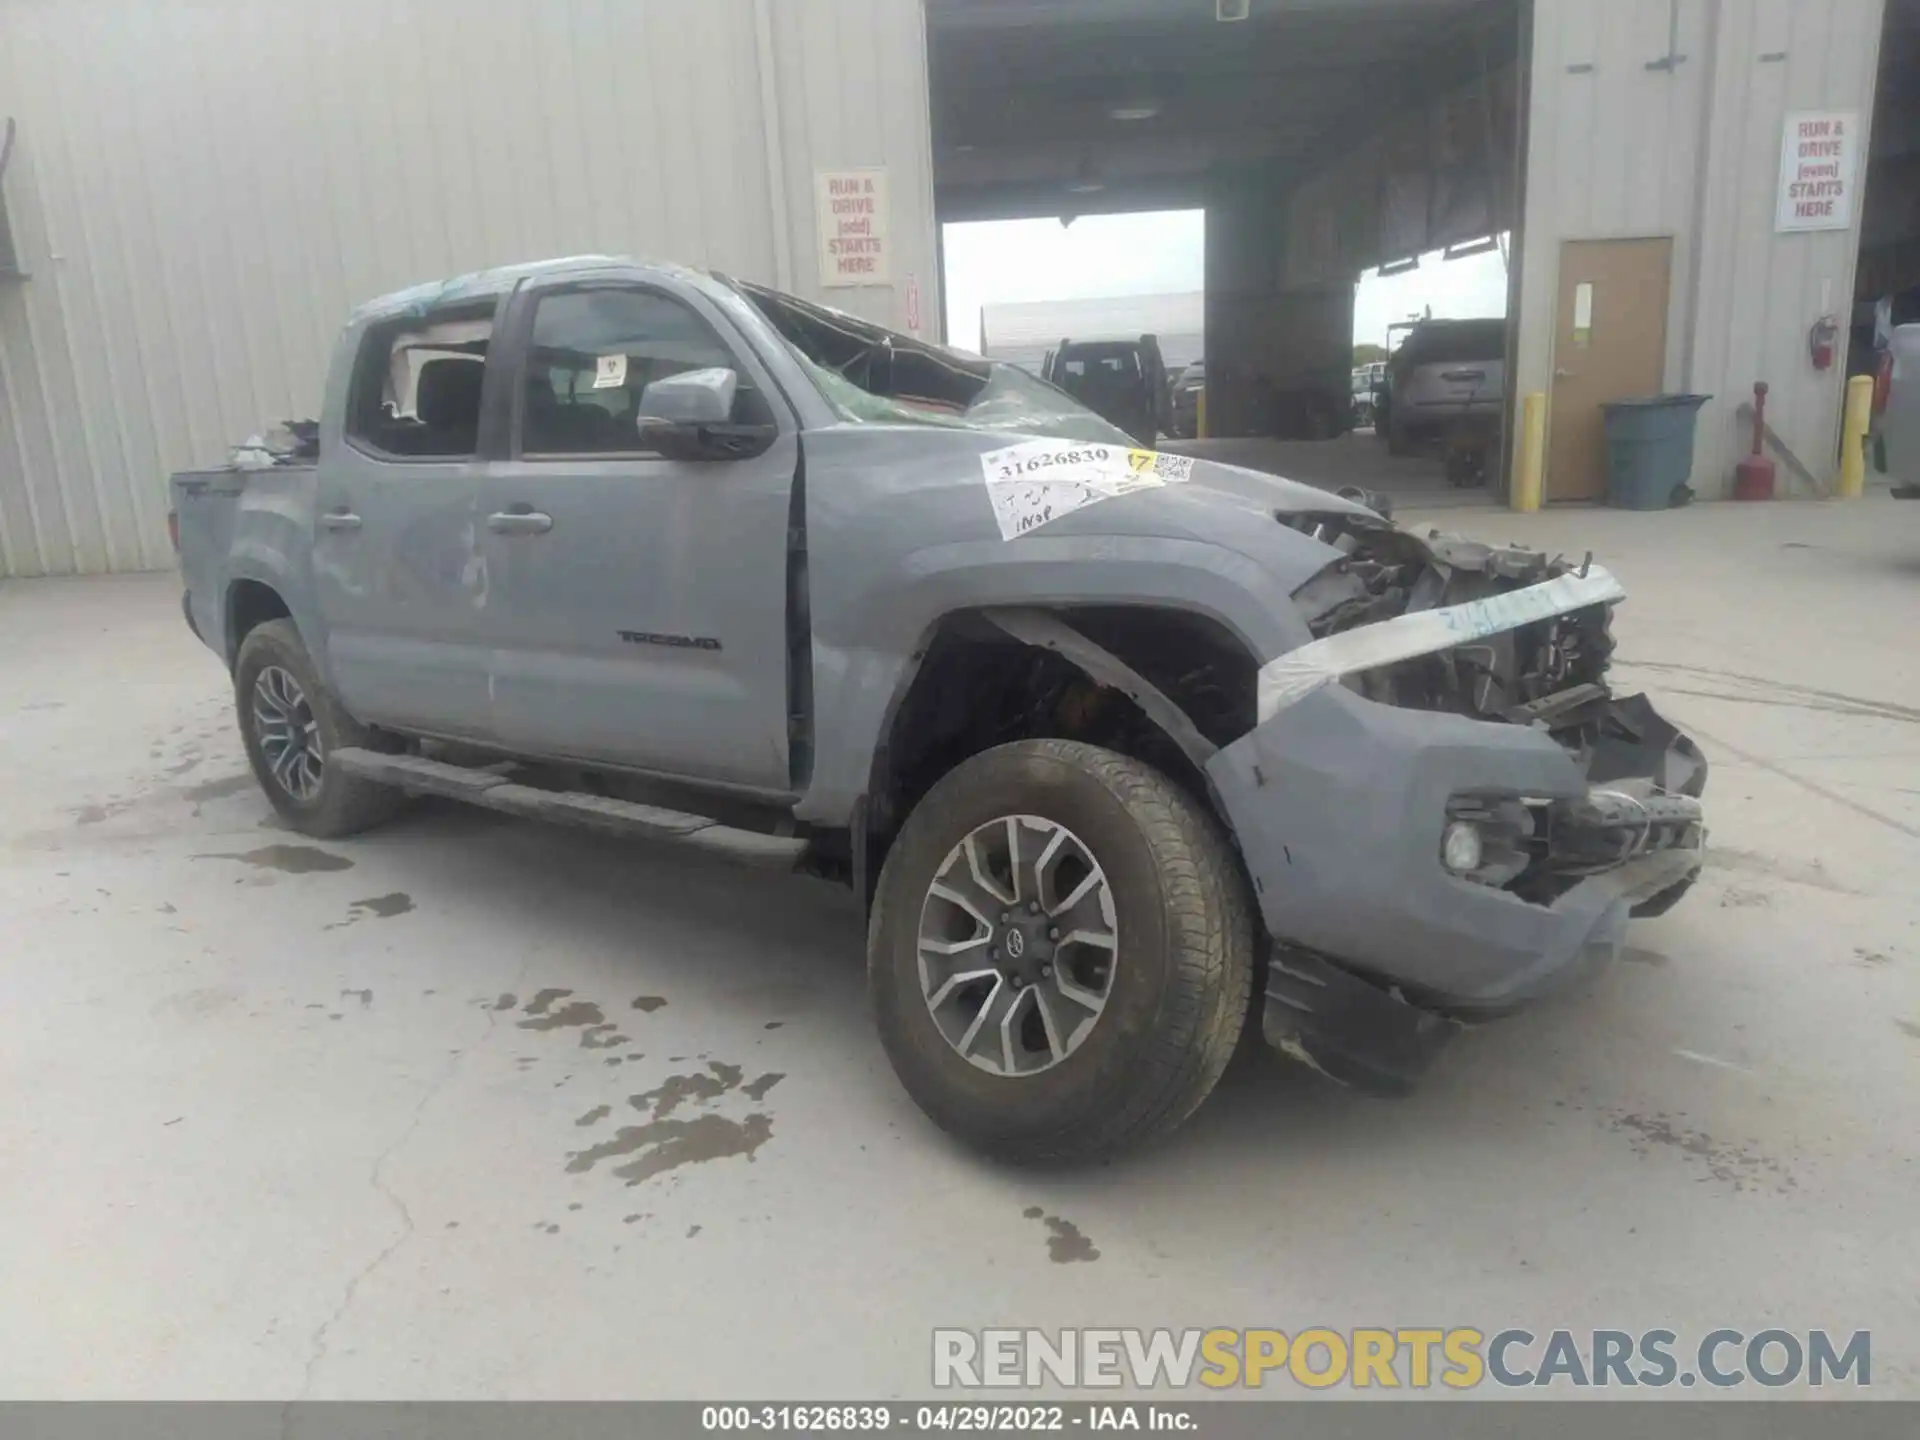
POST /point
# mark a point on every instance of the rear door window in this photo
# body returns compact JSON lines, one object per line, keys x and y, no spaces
{"x":418,"y":384}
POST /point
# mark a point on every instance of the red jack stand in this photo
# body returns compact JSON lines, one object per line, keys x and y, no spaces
{"x":1753,"y":476}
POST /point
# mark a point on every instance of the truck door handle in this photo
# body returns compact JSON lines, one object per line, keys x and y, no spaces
{"x":340,"y":520}
{"x":519,"y":522}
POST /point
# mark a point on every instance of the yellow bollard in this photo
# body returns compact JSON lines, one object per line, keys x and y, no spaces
{"x":1200,"y":415}
{"x":1527,"y":481}
{"x":1853,"y":438}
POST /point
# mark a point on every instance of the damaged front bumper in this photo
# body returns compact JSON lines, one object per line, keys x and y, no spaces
{"x":1385,"y":936}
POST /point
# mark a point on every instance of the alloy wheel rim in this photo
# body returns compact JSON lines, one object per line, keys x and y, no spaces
{"x":1018,"y":945}
{"x":288,"y":734}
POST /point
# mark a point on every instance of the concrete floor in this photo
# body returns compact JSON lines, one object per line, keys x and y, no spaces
{"x":291,"y":1120}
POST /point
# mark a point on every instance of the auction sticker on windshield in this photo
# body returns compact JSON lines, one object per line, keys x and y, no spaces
{"x":1040,"y":480}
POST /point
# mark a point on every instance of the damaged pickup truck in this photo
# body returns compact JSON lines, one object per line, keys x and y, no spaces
{"x":1111,"y":743}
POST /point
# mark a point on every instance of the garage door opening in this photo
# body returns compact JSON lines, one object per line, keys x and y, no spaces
{"x":1014,"y":288}
{"x":1322,"y":140}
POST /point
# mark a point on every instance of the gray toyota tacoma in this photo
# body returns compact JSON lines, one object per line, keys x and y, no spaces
{"x":1108,"y":741}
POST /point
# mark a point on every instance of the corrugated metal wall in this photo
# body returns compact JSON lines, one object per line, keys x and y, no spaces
{"x":201,"y":189}
{"x":1693,"y":151}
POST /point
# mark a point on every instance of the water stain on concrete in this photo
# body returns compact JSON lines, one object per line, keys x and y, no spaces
{"x":1907,"y":1027}
{"x":773,"y":1025}
{"x":648,"y":1003}
{"x":106,"y":810}
{"x":663,"y":1145}
{"x":217,"y":789}
{"x":1635,"y":955}
{"x":603,"y":1037}
{"x":580,"y":1013}
{"x":365,"y":997}
{"x":676,"y":1090}
{"x":288,"y":859}
{"x":595,"y":1115}
{"x":1733,"y":1165}
{"x":1739,"y":897}
{"x":1874,"y":958}
{"x":505,"y":1002}
{"x":692,"y":1230}
{"x":380,"y":907}
{"x":757,"y":1089}
{"x":542,"y":1000}
{"x":1066,"y":1245}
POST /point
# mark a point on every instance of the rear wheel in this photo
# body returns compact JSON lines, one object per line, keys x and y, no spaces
{"x":290,"y":725}
{"x":1060,"y":953}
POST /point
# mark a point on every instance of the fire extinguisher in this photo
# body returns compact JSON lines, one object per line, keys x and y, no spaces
{"x":1820,"y":341}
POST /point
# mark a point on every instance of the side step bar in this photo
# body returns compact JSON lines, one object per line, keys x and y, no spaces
{"x":594,"y":812}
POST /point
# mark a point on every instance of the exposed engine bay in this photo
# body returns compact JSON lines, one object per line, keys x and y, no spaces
{"x":1551,"y":671}
{"x":1548,"y":672}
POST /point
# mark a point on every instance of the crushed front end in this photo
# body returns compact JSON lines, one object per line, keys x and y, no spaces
{"x":1445,"y":809}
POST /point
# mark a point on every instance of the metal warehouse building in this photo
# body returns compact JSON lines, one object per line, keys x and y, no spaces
{"x":195,"y":192}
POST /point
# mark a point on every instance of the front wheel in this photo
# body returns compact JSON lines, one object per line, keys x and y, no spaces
{"x":1060,"y":953}
{"x":290,"y":724}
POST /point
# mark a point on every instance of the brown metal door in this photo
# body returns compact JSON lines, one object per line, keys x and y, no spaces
{"x":1609,"y":343}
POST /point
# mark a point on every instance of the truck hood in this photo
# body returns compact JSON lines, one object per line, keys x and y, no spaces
{"x":1015,"y":495}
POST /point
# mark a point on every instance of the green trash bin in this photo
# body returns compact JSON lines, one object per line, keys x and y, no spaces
{"x":1650,"y":451}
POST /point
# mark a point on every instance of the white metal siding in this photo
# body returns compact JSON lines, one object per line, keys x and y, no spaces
{"x":1618,"y":150}
{"x":201,"y":191}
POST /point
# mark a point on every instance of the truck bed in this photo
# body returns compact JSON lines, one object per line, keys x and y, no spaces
{"x":207,"y":506}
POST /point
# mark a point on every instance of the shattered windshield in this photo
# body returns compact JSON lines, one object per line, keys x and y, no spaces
{"x":871,"y":375}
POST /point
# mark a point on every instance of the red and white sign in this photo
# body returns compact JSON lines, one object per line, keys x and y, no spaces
{"x":856,"y":232}
{"x":1819,"y":155}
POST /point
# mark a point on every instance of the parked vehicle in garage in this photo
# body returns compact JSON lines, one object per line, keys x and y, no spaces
{"x":1367,"y":380}
{"x":1124,"y":381}
{"x":1109,"y":740}
{"x":1448,"y":376}
{"x":1187,"y":391}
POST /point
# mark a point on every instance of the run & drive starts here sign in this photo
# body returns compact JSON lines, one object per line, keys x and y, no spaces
{"x":856,"y":230}
{"x":1818,"y":155}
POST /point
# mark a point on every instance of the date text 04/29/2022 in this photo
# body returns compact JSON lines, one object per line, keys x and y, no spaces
{"x":936,"y":1419}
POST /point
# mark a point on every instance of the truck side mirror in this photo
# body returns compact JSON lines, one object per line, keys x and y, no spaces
{"x":693,"y":397}
{"x":689,"y":416}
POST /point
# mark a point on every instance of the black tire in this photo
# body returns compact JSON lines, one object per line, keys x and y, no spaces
{"x":1181,"y":977}
{"x":343,"y":804}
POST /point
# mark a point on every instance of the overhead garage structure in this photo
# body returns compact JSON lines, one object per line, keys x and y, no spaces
{"x":1322,"y":137}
